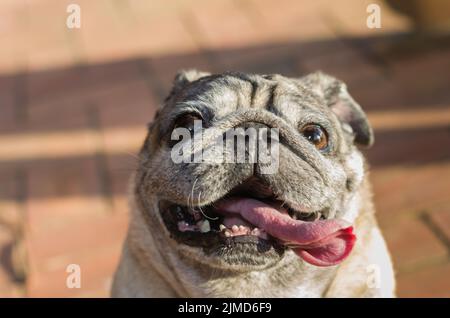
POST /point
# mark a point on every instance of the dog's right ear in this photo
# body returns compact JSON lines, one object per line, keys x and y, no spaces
{"x":183,"y":78}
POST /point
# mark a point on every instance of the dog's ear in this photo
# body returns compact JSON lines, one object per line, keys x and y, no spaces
{"x":183,"y":78}
{"x":342,"y":104}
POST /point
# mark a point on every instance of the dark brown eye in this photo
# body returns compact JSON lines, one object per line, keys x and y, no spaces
{"x":316,"y":135}
{"x":187,"y":121}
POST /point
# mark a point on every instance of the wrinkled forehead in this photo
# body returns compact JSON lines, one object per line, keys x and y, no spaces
{"x":218,"y":96}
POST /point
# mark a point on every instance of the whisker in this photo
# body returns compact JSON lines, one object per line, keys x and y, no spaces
{"x":203,"y":213}
{"x":190,"y":198}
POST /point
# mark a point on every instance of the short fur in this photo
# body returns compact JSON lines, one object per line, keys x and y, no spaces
{"x":155,"y":265}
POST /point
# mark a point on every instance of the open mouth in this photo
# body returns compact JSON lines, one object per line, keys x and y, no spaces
{"x":267,"y":223}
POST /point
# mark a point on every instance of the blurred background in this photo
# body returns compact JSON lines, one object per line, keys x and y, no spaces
{"x":74,"y":104}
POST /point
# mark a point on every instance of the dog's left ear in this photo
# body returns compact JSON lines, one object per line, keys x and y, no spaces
{"x":342,"y":104}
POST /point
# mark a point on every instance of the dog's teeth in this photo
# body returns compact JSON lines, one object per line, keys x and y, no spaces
{"x":317,"y":216}
{"x":222,"y":227}
{"x":235,"y":228}
{"x":241,"y":228}
{"x":227,"y":233}
{"x":256,"y":231}
{"x":263,"y":235}
{"x":204,"y":226}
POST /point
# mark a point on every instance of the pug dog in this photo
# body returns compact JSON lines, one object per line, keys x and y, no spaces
{"x":237,"y":229}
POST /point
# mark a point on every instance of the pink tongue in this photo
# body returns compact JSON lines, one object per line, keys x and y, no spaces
{"x":321,"y":243}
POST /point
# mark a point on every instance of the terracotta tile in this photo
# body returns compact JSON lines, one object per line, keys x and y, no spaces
{"x":220,"y":24}
{"x":433,"y":281}
{"x":289,"y":21}
{"x":412,"y":243}
{"x":411,"y":189}
{"x":74,"y":235}
{"x":96,"y":276}
{"x":440,"y":217}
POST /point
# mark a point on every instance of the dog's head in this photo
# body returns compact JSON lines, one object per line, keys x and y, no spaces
{"x":245,"y":215}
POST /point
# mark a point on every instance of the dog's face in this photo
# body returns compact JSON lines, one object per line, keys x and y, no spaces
{"x":234,"y":215}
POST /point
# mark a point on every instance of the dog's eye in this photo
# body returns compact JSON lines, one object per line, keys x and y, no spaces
{"x":316,"y":135}
{"x":187,"y":121}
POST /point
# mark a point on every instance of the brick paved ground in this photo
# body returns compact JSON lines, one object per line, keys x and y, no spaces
{"x":74,"y":105}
